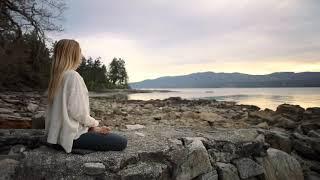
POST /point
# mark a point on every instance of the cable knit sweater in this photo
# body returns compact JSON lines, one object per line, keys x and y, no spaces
{"x":69,"y":114}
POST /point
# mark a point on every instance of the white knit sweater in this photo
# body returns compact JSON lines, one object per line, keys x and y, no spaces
{"x":69,"y":114}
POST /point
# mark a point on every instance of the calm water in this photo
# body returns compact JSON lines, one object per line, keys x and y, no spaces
{"x":262,"y":97}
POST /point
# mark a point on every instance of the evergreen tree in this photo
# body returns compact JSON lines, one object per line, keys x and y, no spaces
{"x":96,"y":76}
{"x":117,"y":74}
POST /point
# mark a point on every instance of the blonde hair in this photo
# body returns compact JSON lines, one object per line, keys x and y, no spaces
{"x":66,"y":55}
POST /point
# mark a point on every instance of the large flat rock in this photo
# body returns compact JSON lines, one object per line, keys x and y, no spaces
{"x":154,"y":152}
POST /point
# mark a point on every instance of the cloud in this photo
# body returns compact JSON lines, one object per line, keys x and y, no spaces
{"x":162,"y":37}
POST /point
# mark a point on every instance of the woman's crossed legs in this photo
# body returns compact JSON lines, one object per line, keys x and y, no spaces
{"x":100,"y":142}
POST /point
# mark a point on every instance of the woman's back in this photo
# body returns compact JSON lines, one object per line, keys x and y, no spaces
{"x":60,"y":127}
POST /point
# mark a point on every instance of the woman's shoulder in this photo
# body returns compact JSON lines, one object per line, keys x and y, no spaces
{"x":70,"y":73}
{"x":72,"y":76}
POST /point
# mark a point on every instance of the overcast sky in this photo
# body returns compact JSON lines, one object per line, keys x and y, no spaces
{"x":175,"y":37}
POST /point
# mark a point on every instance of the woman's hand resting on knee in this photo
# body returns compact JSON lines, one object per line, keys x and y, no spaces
{"x":102,"y":129}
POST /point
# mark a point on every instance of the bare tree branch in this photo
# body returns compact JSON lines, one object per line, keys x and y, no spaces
{"x":23,"y":16}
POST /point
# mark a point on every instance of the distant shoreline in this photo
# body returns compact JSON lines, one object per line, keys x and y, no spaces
{"x":122,"y":92}
{"x":130,"y":91}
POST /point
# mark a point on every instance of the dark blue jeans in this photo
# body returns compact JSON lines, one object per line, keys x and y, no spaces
{"x":100,"y":142}
{"x":97,"y":142}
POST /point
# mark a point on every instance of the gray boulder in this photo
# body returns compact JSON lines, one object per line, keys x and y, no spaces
{"x":307,"y":147}
{"x":248,"y":168}
{"x":268,"y":116}
{"x":279,"y":165}
{"x":279,"y":140}
{"x":234,"y":135}
{"x":293,"y":112}
{"x":286,"y":123}
{"x":225,"y":157}
{"x":227,"y":171}
{"x":144,"y":171}
{"x":312,"y":113}
{"x":196,"y":162}
{"x":308,"y":126}
{"x":212,"y":175}
{"x":225,"y":151}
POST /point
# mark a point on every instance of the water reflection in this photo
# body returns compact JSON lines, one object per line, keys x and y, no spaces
{"x":262,"y":97}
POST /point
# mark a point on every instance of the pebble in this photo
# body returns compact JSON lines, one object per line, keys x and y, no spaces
{"x":135,"y":126}
{"x":157,"y":118}
{"x":139,"y":134}
{"x":94,"y":168}
{"x":32,"y":107}
{"x":16,"y":149}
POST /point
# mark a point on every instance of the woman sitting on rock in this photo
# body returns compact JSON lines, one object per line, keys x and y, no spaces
{"x":68,"y":123}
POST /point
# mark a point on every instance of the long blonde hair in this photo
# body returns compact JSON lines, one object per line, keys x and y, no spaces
{"x":66,"y":55}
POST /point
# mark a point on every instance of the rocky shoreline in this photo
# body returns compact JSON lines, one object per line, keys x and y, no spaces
{"x":168,"y":139}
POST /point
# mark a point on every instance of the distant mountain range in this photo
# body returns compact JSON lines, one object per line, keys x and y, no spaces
{"x":217,"y":80}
